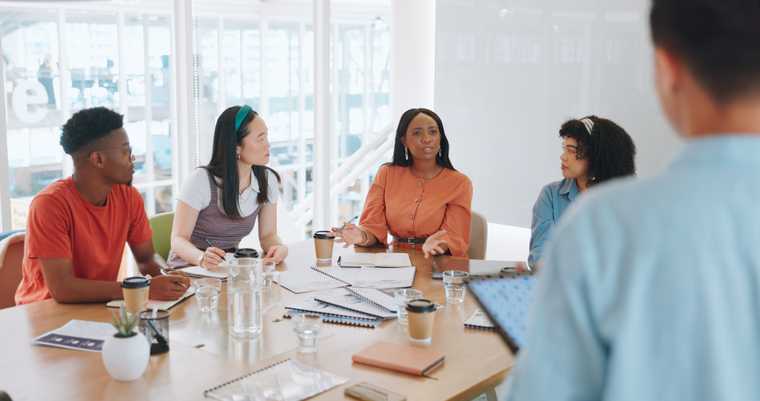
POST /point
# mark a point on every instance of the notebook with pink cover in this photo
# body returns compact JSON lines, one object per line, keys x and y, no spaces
{"x":402,"y":358}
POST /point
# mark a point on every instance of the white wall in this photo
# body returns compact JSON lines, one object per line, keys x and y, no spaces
{"x":509,"y":72}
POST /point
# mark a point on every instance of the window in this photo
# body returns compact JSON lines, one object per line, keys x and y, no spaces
{"x":59,"y":62}
{"x":119,"y":55}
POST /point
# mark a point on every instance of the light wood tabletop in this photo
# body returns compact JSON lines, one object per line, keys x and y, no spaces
{"x":203,"y":355}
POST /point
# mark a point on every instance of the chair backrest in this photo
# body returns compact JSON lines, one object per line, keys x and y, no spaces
{"x":11,"y":256}
{"x":161,"y":224}
{"x":508,"y":242}
{"x":478,"y":236}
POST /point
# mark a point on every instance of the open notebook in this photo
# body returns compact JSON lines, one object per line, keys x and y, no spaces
{"x":371,"y":277}
{"x":201,"y":272}
{"x":287,"y":380}
{"x":374,"y":260}
{"x":160,"y":305}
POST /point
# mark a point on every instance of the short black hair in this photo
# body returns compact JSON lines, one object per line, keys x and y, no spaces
{"x":88,"y":125}
{"x":717,"y":40}
{"x":610,"y":151}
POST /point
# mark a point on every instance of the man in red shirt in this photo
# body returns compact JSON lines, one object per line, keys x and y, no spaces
{"x":77,"y":227}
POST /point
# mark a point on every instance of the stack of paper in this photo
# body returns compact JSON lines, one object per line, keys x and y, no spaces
{"x":371,"y":277}
{"x":375,"y":260}
{"x":307,"y":280}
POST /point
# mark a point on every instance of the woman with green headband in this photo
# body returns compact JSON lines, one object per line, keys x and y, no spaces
{"x":220,"y":202}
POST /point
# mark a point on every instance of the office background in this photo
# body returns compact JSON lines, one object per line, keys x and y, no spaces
{"x":503,"y":74}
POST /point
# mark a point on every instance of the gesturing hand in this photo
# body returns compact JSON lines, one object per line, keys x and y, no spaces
{"x":349,"y":234}
{"x":435,"y":244}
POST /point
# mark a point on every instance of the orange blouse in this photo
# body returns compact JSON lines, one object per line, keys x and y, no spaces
{"x":411,"y":207}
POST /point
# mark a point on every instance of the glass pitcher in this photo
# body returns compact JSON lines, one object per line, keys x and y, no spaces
{"x":244,"y":297}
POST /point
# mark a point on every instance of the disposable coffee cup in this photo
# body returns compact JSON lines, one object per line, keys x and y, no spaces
{"x":135,"y":291}
{"x":323,"y":247}
{"x":420,"y":314}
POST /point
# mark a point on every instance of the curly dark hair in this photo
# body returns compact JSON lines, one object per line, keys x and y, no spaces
{"x":87,"y":126}
{"x":610,"y":151}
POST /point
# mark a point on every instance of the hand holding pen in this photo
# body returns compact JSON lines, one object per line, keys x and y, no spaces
{"x":212,"y":257}
{"x":350,"y":234}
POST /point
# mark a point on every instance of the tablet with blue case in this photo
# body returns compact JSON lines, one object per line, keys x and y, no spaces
{"x":506,"y":300}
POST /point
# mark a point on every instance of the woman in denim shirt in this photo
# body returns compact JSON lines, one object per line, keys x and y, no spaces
{"x":594,"y":150}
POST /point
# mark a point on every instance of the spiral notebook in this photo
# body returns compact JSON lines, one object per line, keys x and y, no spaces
{"x":375,"y":297}
{"x":479,"y":320}
{"x":343,"y":298}
{"x":346,"y":321}
{"x":286,"y":380}
{"x":332,"y":314}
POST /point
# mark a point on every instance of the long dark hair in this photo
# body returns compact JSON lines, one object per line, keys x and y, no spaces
{"x":223,"y":162}
{"x":400,"y":158}
{"x":610,"y":151}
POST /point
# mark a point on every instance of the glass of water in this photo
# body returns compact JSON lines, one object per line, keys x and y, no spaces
{"x":306,"y":327}
{"x":403,"y":296}
{"x":268,"y":270}
{"x":454,"y":284}
{"x":244,"y":300}
{"x":207,"y":292}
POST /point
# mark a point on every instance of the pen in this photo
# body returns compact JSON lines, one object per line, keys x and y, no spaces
{"x":349,"y":222}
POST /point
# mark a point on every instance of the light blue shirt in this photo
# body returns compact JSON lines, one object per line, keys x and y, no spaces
{"x":650,"y":289}
{"x":549,"y":206}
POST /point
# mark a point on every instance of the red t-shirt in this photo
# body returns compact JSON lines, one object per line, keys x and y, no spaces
{"x":63,"y":225}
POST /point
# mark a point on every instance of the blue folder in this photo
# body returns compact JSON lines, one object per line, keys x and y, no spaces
{"x":506,"y":301}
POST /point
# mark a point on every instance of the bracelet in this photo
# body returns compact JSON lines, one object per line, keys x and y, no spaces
{"x":200,"y":260}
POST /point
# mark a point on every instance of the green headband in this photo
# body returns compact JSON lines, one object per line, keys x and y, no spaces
{"x":241,"y":115}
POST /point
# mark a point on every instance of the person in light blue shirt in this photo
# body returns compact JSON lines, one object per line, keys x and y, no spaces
{"x":594,"y":150}
{"x":650,"y":289}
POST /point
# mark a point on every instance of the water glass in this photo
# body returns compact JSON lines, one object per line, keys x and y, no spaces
{"x":207,"y":292}
{"x":403,"y":296}
{"x":244,"y":300}
{"x":306,"y":327}
{"x":454,"y":284}
{"x":268,"y":270}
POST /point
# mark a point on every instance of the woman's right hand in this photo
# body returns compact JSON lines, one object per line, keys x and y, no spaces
{"x":212,"y":257}
{"x":349,"y":234}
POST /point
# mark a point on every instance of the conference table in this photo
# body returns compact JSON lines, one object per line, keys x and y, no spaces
{"x":203,"y":355}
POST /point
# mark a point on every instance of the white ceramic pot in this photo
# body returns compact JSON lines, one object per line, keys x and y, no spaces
{"x":126,"y":358}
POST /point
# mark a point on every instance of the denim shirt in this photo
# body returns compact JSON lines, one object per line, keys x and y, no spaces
{"x":549,"y":206}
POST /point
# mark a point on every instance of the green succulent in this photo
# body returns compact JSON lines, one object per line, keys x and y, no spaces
{"x":124,"y":323}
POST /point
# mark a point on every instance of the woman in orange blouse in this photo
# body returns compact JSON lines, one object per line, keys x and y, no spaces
{"x":419,"y":198}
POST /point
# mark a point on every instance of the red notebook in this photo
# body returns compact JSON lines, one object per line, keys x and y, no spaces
{"x":402,"y":358}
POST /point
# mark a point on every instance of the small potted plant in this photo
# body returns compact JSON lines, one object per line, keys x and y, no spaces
{"x":126,"y":354}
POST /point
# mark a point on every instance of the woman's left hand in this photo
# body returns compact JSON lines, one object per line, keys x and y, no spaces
{"x":277,"y":253}
{"x":435,"y":244}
